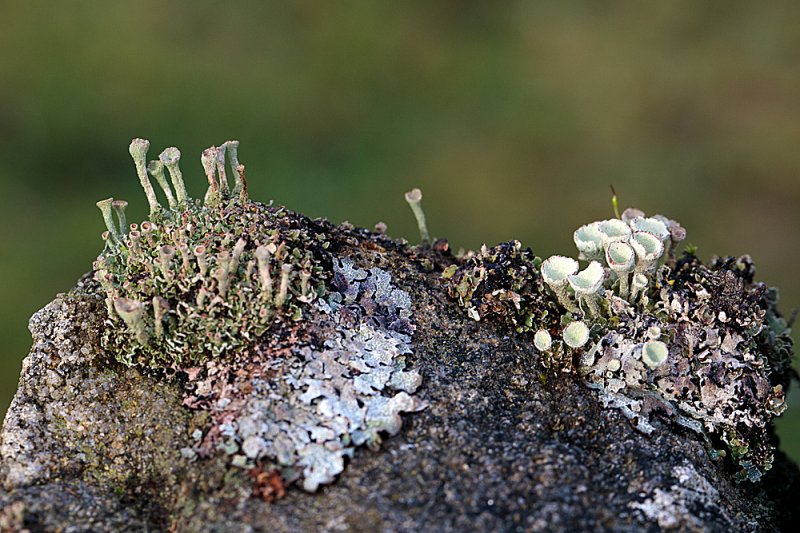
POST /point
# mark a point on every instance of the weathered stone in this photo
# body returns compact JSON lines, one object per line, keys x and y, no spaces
{"x":504,"y":444}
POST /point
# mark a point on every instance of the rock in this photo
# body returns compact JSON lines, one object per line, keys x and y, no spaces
{"x":238,"y":367}
{"x":504,"y":444}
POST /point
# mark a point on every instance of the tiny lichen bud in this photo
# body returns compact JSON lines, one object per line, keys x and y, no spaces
{"x":307,"y":295}
{"x":156,"y":169}
{"x":542,"y":340}
{"x":200,"y":254}
{"x":283,"y":289}
{"x":108,"y":218}
{"x":631,"y":213}
{"x":221,"y":275}
{"x":171,"y":157}
{"x":165,"y":255}
{"x":238,"y":249}
{"x":132,"y":313}
{"x":556,"y":270}
{"x":414,"y":199}
{"x":614,"y":364}
{"x":138,"y":150}
{"x":119,"y":209}
{"x":576,"y":334}
{"x":654,"y":353}
{"x":184,"y":251}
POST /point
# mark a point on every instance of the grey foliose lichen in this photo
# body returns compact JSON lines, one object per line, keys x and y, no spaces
{"x":331,"y":397}
{"x":296,"y":356}
{"x":704,"y":346}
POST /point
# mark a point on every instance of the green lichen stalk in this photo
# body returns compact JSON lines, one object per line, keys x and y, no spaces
{"x":194,"y":281}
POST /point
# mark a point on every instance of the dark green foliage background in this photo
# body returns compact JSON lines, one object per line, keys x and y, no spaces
{"x":513,"y":120}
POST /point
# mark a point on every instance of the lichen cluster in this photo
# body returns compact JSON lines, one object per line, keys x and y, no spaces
{"x":294,"y":356}
{"x":704,"y":346}
{"x":200,"y":279}
{"x":331,"y":397}
{"x":500,"y":284}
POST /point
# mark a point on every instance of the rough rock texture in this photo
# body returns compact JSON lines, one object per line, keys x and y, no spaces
{"x":503,"y":445}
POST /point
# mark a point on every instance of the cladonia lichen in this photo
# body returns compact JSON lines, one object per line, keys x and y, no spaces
{"x":298,"y":355}
{"x":704,"y":345}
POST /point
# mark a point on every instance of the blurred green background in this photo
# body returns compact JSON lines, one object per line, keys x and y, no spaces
{"x":512,"y":117}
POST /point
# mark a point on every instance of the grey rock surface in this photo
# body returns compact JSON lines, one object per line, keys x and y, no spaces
{"x":502,"y":445}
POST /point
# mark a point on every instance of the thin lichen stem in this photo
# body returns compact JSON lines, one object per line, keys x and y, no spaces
{"x":222,"y":176}
{"x":105,"y":208}
{"x":138,"y":150}
{"x":623,"y":284}
{"x":119,"y":208}
{"x":564,"y":300}
{"x":263,"y":257}
{"x":156,"y":169}
{"x":171,"y":157}
{"x":414,"y":199}
{"x":591,"y":303}
{"x":238,"y":175}
{"x":283,"y":290}
{"x":209,"y":161}
{"x":132,"y":313}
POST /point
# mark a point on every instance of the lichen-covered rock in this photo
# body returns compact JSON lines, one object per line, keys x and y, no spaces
{"x":491,"y":430}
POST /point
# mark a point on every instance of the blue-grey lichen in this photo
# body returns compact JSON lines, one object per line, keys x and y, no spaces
{"x":654,"y":335}
{"x":330,"y":398}
{"x":297,"y":355}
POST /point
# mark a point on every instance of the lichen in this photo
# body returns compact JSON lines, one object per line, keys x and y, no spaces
{"x":500,"y":284}
{"x":330,"y":398}
{"x":704,"y":346}
{"x":297,"y":355}
{"x":202,"y":279}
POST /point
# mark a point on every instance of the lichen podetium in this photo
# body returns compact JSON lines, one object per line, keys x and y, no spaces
{"x":653,"y":334}
{"x":294,"y":354}
{"x":199,"y":279}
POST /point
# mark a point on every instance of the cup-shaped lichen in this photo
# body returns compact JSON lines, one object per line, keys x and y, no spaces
{"x":590,"y":240}
{"x":654,"y":353}
{"x":614,"y":230}
{"x":620,"y":257}
{"x":556,"y":271}
{"x":649,"y":250}
{"x":576,"y":334}
{"x":586,"y":285}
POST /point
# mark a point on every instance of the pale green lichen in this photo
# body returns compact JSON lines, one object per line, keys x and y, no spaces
{"x":674,"y":334}
{"x":650,"y":333}
{"x":199,"y":280}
